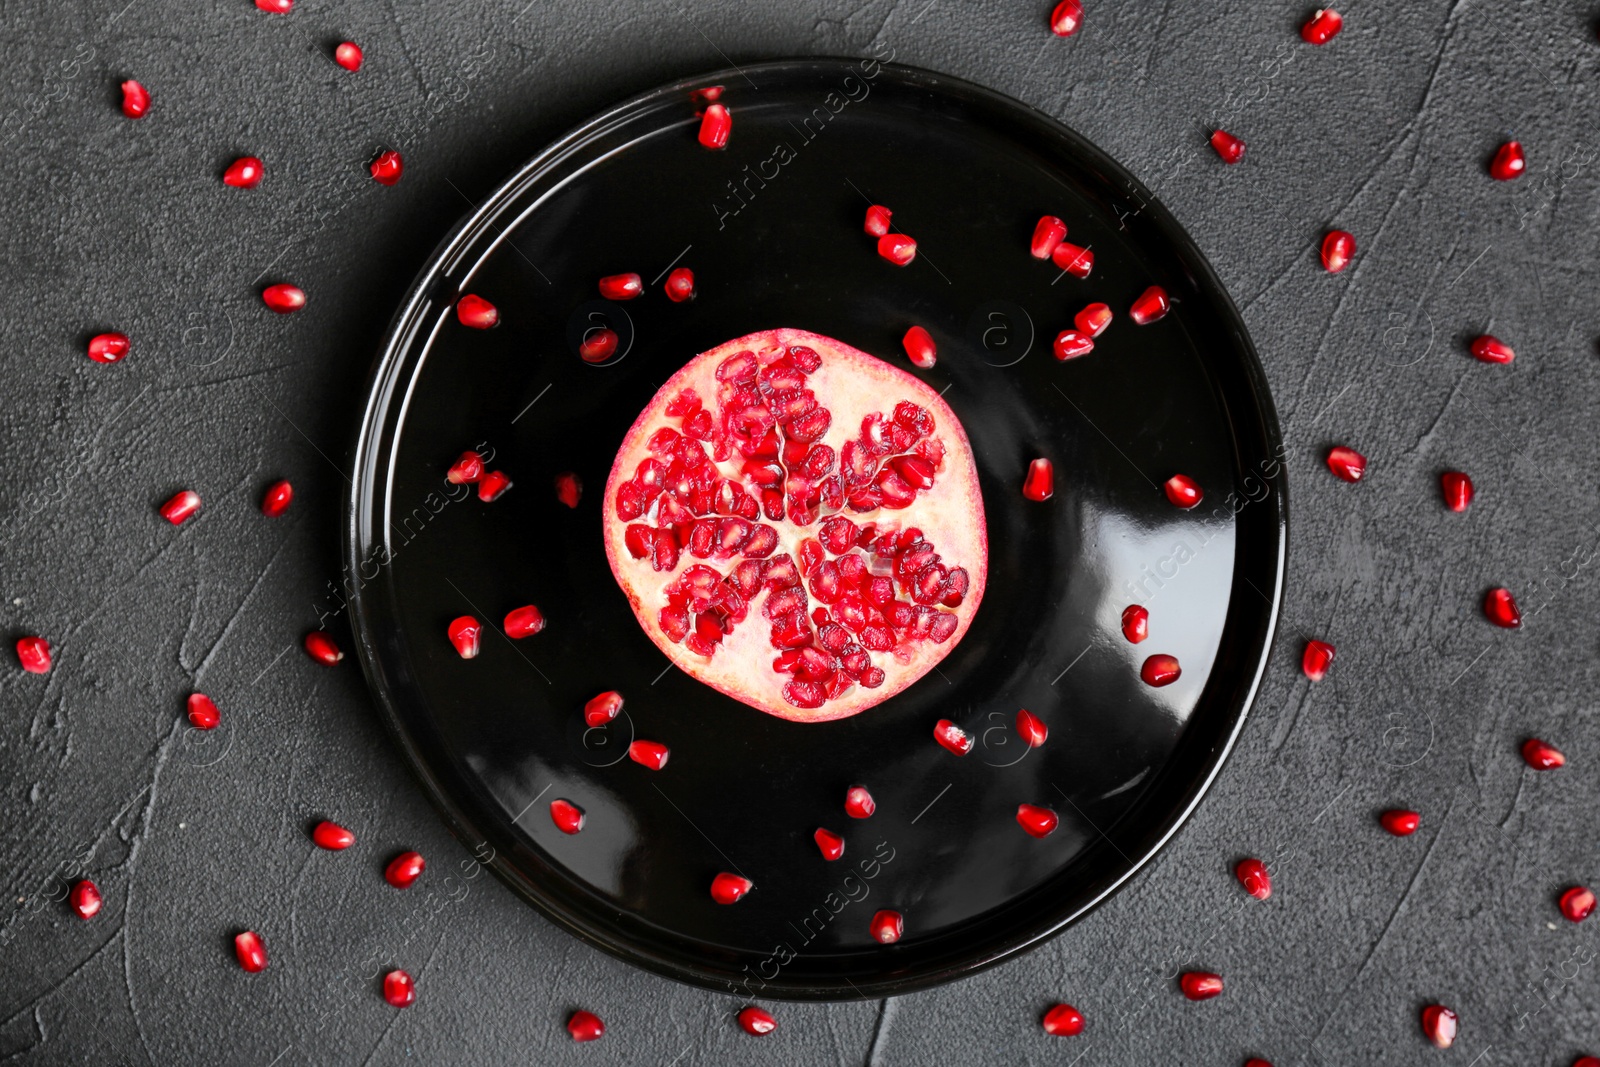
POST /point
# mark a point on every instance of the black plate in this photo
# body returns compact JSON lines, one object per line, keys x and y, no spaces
{"x":495,"y":739}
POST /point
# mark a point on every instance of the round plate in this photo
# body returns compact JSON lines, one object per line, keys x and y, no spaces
{"x":772,"y":228}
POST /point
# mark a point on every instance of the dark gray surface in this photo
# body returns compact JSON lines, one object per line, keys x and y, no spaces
{"x":112,"y":224}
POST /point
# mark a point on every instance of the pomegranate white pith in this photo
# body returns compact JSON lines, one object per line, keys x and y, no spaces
{"x":798,"y":525}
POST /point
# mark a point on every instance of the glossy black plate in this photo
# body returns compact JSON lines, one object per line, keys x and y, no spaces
{"x":771,"y":227}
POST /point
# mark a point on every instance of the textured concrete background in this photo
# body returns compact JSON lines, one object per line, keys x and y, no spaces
{"x":106,"y":223}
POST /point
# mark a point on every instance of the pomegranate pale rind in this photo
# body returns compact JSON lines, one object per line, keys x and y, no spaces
{"x":742,"y":487}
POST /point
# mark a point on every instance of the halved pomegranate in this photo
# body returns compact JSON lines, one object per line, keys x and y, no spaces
{"x":798,"y":525}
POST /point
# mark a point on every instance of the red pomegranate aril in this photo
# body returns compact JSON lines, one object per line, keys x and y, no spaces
{"x":1457,"y":488}
{"x":387,"y":167}
{"x":1255,"y":1062}
{"x":920,"y":349}
{"x":888,"y":927}
{"x":753,"y":1020}
{"x":1067,"y":18}
{"x":652,"y":754}
{"x":399,"y":989}
{"x":474,"y":312}
{"x":1160,"y":670}
{"x":1586,"y":1061}
{"x":135,"y":99}
{"x":1252,"y":874}
{"x":1183,"y":491}
{"x":108,"y":347}
{"x":467,"y":469}
{"x":569,"y":488}
{"x":598,"y":345}
{"x":715,"y":126}
{"x":320,"y":647}
{"x":275,"y":501}
{"x":1501,"y":608}
{"x":492,"y":486}
{"x":524,"y":621}
{"x":680,"y":285}
{"x":275,"y":7}
{"x":1037,"y":821}
{"x":1151,"y":306}
{"x":1227,"y":146}
{"x":1316,"y":660}
{"x":203,"y":714}
{"x":1490,"y":349}
{"x":1200,"y":985}
{"x":1347,"y":464}
{"x":830,"y":844}
{"x":404,"y":870}
{"x":585,"y":1026}
{"x":1400,"y":822}
{"x":34,"y":654}
{"x":1508,"y":162}
{"x":1135,"y":623}
{"x":858,"y":803}
{"x":1439,"y":1025}
{"x":1062,"y":1020}
{"x":1542,"y":756}
{"x":348,"y":55}
{"x":952,"y":737}
{"x":283,"y":298}
{"x":1323,"y":26}
{"x":1070,"y":344}
{"x":897,"y":248}
{"x":1577,"y":903}
{"x":1093,"y":320}
{"x":1048,"y":233}
{"x":1040,"y":484}
{"x":332,"y":837}
{"x":567,"y":816}
{"x":877,"y":223}
{"x":730,"y":888}
{"x":180,"y":506}
{"x":1031,"y":729}
{"x":464,"y":633}
{"x":245,"y":172}
{"x":1337,"y":249}
{"x":603,"y":708}
{"x":85,"y":899}
{"x":251,"y":952}
{"x":708,"y":95}
{"x":621,"y":286}
{"x":1074,"y":259}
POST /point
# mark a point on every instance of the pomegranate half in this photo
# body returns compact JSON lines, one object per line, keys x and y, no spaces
{"x":797,"y":524}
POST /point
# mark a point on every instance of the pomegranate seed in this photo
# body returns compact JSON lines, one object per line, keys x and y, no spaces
{"x":567,"y":816}
{"x":386,"y":168}
{"x":680,"y":285}
{"x":598,"y":345}
{"x":283,"y":299}
{"x":1508,"y":162}
{"x":715,"y":126}
{"x":320,"y":647}
{"x":34,"y":654}
{"x":203,"y":714}
{"x":585,"y":1026}
{"x":1501,"y":608}
{"x":1040,"y":484}
{"x":245,"y":172}
{"x":888,"y":926}
{"x":1323,"y":26}
{"x":1439,"y":1025}
{"x":1151,"y":306}
{"x":85,"y":899}
{"x":1399,"y":822}
{"x":180,"y":506}
{"x":1135,"y":623}
{"x":524,"y":621}
{"x":1257,"y":1063}
{"x":1048,"y":234}
{"x":1037,"y":821}
{"x":1542,"y":756}
{"x":877,"y":223}
{"x":1252,"y":874}
{"x":1586,"y":1061}
{"x":897,"y":248}
{"x":920,"y":349}
{"x":1316,"y":660}
{"x":275,"y":7}
{"x":467,"y":468}
{"x":1062,"y":1020}
{"x":332,"y":837}
{"x":399,"y":989}
{"x":1491,"y":349}
{"x":1183,"y":491}
{"x":1075,"y":260}
{"x":135,"y":99}
{"x":108,"y":347}
{"x":1093,"y":320}
{"x":276,"y":499}
{"x":709,"y":95}
{"x":1200,"y":985}
{"x":652,"y":754}
{"x":1070,"y":344}
{"x":475,"y":312}
{"x":404,"y":870}
{"x":1347,"y":464}
{"x":829,"y":843}
{"x":1160,"y":670}
{"x":952,"y":737}
{"x":1577,"y":903}
{"x":348,"y":55}
{"x":1337,"y":248}
{"x":730,"y":888}
{"x":858,"y":803}
{"x":251,"y":952}
{"x":1457,"y":489}
{"x":603,"y":708}
{"x":1031,"y":729}
{"x":757,"y":1022}
{"x":464,"y":632}
{"x":492,"y":486}
{"x":1067,"y":18}
{"x":621,"y":286}
{"x":1229,"y":147}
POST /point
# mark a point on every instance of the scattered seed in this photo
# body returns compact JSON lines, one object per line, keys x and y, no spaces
{"x":877,"y":223}
{"x":476,"y":313}
{"x":897,"y":248}
{"x":1037,"y":821}
{"x":830,"y":844}
{"x":1227,"y":146}
{"x":135,"y":99}
{"x":680,"y":285}
{"x":1490,"y":349}
{"x":180,"y":506}
{"x":467,"y":468}
{"x":1048,"y":233}
{"x":1040,"y":484}
{"x":1074,"y":259}
{"x":1183,"y":491}
{"x":1542,"y":756}
{"x":399,"y":989}
{"x":349,"y":56}
{"x":1252,"y":874}
{"x":1400,"y":822}
{"x":621,"y":286}
{"x":1093,"y":320}
{"x":888,"y":927}
{"x":598,"y":345}
{"x":1031,"y":729}
{"x":1135,"y":623}
{"x":404,"y":870}
{"x":757,"y":1022}
{"x":320,"y":647}
{"x":1160,"y":670}
{"x":1457,"y":488}
{"x":1501,"y":608}
{"x":492,"y":486}
{"x":1337,"y":249}
{"x":603,"y":708}
{"x":952,"y":737}
{"x":1200,"y":985}
{"x":1070,"y":344}
{"x":245,"y":172}
{"x":920,"y":349}
{"x":730,"y":888}
{"x":858,"y":803}
{"x":85,"y":899}
{"x":203,"y":714}
{"x":1151,"y":306}
{"x":585,"y":1026}
{"x":1323,"y":26}
{"x":275,"y":7}
{"x":251,"y":952}
{"x":652,"y":754}
{"x":283,"y":299}
{"x":1316,"y":660}
{"x":276,"y":499}
{"x":1508,"y":162}
{"x":567,"y":816}
{"x":1067,"y":18}
{"x":1347,"y":464}
{"x":332,"y":837}
{"x":108,"y":347}
{"x":386,"y":168}
{"x":715,"y":125}
{"x":464,"y":632}
{"x":1062,"y":1020}
{"x":524,"y":622}
{"x":1577,"y":903}
{"x":34,"y":654}
{"x":1439,"y":1025}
